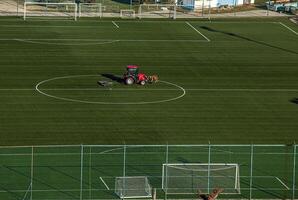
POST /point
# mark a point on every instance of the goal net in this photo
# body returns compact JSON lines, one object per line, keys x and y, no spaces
{"x":127,"y":14}
{"x":157,"y":11}
{"x":50,"y":10}
{"x":90,"y":10}
{"x":188,"y":178}
{"x":133,"y":187}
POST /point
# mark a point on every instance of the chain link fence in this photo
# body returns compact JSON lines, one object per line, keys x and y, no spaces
{"x":90,"y":171}
{"x":167,"y":8}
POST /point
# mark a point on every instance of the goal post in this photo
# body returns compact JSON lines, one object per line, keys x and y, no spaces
{"x":187,"y":178}
{"x":157,"y":11}
{"x":90,"y":10}
{"x":127,"y":14}
{"x":50,"y":10}
{"x":133,"y":187}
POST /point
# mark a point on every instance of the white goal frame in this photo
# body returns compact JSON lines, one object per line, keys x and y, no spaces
{"x":174,"y":6}
{"x":127,"y":10}
{"x":91,"y":4}
{"x":178,"y":165}
{"x":123,"y":196}
{"x":43,"y":3}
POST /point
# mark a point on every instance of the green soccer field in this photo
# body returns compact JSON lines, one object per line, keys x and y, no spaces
{"x":224,"y":82}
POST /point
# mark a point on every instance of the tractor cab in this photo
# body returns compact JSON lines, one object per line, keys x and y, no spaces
{"x":132,"y":70}
{"x":132,"y":75}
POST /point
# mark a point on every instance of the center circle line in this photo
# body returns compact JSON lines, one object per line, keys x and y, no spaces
{"x":104,"y":102}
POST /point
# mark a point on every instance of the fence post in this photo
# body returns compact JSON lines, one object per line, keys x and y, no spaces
{"x":203,"y":4}
{"x":234,"y":9}
{"x":251,"y":170}
{"x":31,"y":176}
{"x":269,"y":3}
{"x":294,"y":172}
{"x":90,"y":172}
{"x":208,"y":171}
{"x":17,"y":7}
{"x":166,"y":171}
{"x":124,"y":160}
{"x":81,"y":184}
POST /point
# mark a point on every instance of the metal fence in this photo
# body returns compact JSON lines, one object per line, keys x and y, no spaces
{"x":201,"y":9}
{"x":89,"y":171}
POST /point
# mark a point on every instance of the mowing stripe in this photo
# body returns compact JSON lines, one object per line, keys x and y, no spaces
{"x":198,"y":31}
{"x":156,"y":89}
{"x":200,"y":22}
{"x":77,"y":190}
{"x":104,"y":183}
{"x":288,"y":28}
{"x":96,"y":40}
{"x":282,"y":183}
{"x":243,"y":90}
{"x":45,"y":26}
{"x":135,"y":153}
{"x":115,"y":24}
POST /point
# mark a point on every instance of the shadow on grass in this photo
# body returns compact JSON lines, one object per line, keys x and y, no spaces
{"x":10,"y":192}
{"x":294,"y":100}
{"x":248,"y":39}
{"x":40,"y":181}
{"x":113,"y":78}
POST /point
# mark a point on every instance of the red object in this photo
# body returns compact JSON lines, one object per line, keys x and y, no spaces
{"x":142,"y":77}
{"x":132,"y":66}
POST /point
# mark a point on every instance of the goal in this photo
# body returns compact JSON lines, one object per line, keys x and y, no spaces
{"x":127,"y":14}
{"x":50,"y":10}
{"x":133,"y":187}
{"x":179,"y":178}
{"x":157,"y":11}
{"x":90,"y":10}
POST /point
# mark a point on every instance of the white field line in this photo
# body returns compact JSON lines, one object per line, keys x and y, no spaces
{"x":288,"y":28}
{"x":27,"y":191}
{"x":156,"y":89}
{"x":198,"y":31}
{"x":115,"y":24}
{"x":282,"y":183}
{"x":104,"y":183}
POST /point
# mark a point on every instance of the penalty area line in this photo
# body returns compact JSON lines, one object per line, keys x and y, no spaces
{"x":104,"y":183}
{"x":282,"y":183}
{"x":288,"y":28}
{"x":115,"y":24}
{"x":198,"y":31}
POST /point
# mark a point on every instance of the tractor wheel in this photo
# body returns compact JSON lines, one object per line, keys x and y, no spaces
{"x":129,"y":81}
{"x":143,"y":82}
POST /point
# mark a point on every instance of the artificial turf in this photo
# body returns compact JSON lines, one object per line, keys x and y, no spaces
{"x":240,"y":87}
{"x":89,"y":172}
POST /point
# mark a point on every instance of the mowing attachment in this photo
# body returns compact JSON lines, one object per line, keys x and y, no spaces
{"x":105,"y":83}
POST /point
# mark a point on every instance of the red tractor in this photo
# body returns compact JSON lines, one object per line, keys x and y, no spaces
{"x":132,"y":76}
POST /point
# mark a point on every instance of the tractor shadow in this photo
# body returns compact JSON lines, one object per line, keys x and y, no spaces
{"x":247,"y":39}
{"x":294,"y":100}
{"x":113,"y":77}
